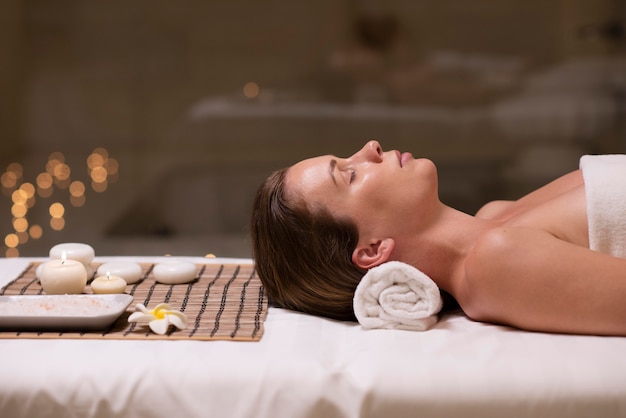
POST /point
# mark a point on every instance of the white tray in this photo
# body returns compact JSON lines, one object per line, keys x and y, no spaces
{"x":61,"y":312}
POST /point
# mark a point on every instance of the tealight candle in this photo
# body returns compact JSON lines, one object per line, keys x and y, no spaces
{"x":108,"y":284}
{"x":130,"y":272}
{"x":174,"y":272}
{"x":73,"y":251}
{"x":59,"y":277}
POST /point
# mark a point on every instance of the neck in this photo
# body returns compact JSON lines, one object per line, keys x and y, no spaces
{"x":440,"y":247}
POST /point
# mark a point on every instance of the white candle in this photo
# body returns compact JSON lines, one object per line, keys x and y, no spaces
{"x":59,"y":277}
{"x":73,"y":251}
{"x":174,"y":272}
{"x":130,"y":272}
{"x":89,"y":269}
{"x":38,"y":271}
{"x":108,"y":284}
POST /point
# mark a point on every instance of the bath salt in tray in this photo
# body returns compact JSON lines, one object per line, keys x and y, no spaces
{"x":61,"y":312}
{"x":223,"y":302}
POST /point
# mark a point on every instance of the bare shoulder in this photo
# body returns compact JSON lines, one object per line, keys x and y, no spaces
{"x":520,"y":250}
{"x":503,"y":209}
{"x":530,"y":279}
{"x":504,"y":262}
{"x":493,"y":209}
{"x":499,"y":251}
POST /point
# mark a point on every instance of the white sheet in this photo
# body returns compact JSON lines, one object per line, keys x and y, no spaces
{"x":311,"y":367}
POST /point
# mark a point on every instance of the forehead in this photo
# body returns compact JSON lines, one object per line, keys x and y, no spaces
{"x":308,"y":176}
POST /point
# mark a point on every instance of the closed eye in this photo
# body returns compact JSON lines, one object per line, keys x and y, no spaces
{"x":352,"y":175}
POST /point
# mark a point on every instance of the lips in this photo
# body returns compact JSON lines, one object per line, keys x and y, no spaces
{"x":404,"y":157}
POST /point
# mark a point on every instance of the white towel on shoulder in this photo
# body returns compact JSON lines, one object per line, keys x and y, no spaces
{"x":605,"y":190}
{"x":396,"y":295}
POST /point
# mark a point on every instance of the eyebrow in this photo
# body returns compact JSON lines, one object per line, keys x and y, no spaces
{"x":331,"y":170}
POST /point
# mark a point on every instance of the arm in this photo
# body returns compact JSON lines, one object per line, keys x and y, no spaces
{"x":532,"y":280}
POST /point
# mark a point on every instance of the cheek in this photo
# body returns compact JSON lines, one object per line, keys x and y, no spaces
{"x":394,"y":202}
{"x":378,"y":191}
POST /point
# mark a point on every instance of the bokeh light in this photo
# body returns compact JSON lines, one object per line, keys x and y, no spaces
{"x":11,"y":240}
{"x":44,"y":180}
{"x":97,"y":158}
{"x":62,"y":171}
{"x":11,"y":178}
{"x":19,"y":210}
{"x":251,"y":90}
{"x":77,"y":188}
{"x":56,"y":179}
{"x":112,"y":166}
{"x":22,"y":237}
{"x":57,"y":210}
{"x":19,"y":196}
{"x":8,"y":179}
{"x":12,"y":252}
{"x":99,"y":174}
{"x":54,"y":159}
{"x":44,"y":184}
{"x":99,"y":187}
{"x":20,"y":224}
{"x":28,"y":188}
{"x":77,"y":201}
{"x":35,"y":231}
{"x":102,"y":169}
{"x":57,"y":223}
{"x":45,"y":193}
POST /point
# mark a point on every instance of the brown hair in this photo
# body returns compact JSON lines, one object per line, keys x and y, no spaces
{"x":303,"y":258}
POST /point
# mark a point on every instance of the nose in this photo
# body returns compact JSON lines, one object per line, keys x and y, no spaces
{"x":372,"y":151}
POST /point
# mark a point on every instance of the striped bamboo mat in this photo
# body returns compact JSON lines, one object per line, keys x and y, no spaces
{"x":224,"y":302}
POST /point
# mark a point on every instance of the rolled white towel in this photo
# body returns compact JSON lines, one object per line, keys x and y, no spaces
{"x":396,"y":295}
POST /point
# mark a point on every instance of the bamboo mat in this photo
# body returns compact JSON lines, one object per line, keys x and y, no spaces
{"x":224,"y":302}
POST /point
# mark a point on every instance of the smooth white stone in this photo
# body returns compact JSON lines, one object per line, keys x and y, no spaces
{"x":174,"y":272}
{"x":130,"y":272}
{"x":73,"y":251}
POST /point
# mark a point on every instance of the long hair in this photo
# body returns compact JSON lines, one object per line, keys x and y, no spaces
{"x":303,"y":258}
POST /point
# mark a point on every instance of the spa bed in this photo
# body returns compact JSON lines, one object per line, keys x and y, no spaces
{"x":304,"y":366}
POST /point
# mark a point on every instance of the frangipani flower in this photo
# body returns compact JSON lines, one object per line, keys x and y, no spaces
{"x":160,"y":318}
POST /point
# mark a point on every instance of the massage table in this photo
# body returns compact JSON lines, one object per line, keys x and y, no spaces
{"x":304,"y":366}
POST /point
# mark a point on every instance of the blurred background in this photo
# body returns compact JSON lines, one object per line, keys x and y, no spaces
{"x":145,"y":127}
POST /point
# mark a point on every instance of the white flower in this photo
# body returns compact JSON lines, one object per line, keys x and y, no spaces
{"x":159,"y":318}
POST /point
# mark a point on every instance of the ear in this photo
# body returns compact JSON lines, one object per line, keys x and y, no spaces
{"x":368,"y":255}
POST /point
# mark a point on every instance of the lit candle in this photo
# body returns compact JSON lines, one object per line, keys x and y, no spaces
{"x":59,"y":277}
{"x":174,"y":272}
{"x":88,"y":269}
{"x":73,"y":251}
{"x":108,"y":284}
{"x":130,"y":272}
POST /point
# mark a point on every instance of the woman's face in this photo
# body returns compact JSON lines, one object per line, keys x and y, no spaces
{"x":380,"y":191}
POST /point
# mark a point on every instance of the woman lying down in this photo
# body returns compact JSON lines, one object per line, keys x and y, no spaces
{"x":551,"y":261}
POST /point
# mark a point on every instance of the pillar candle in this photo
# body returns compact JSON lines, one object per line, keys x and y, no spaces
{"x":63,"y":276}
